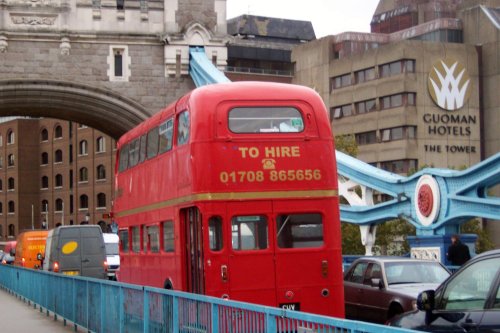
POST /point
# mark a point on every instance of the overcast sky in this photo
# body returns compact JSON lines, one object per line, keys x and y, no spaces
{"x":329,"y":17}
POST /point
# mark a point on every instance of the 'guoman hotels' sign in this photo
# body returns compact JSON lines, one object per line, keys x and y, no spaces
{"x":449,"y":87}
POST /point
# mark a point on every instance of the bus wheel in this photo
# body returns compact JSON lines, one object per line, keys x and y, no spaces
{"x":168,"y":284}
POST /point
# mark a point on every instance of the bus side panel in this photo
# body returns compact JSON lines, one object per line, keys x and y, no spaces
{"x":313,"y":275}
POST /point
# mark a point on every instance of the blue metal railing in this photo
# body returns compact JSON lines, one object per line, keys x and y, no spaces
{"x":105,"y":306}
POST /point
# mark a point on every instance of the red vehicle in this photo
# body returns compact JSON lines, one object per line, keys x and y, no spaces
{"x":231,"y":192}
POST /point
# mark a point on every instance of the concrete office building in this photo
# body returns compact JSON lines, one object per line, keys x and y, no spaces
{"x":420,"y":90}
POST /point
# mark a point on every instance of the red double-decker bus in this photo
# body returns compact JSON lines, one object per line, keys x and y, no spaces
{"x":231,"y":191}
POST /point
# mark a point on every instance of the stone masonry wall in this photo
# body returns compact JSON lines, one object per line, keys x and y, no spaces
{"x":200,"y":11}
{"x":87,"y":63}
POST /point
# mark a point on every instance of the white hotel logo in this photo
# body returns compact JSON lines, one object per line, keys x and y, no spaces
{"x":449,"y":84}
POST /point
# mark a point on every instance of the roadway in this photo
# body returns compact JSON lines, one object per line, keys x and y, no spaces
{"x":17,"y":316}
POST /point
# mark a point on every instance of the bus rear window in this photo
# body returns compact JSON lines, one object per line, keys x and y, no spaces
{"x":299,"y":231}
{"x":265,"y":120}
{"x":249,"y":232}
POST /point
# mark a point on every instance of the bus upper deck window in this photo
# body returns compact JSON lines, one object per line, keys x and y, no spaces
{"x":123,"y":164}
{"x":166,"y":133}
{"x":183,"y":128}
{"x":265,"y":120}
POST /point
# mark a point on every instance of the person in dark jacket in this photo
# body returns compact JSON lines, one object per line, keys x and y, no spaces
{"x":458,"y":252}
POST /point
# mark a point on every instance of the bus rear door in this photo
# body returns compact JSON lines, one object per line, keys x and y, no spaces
{"x":251,"y":268}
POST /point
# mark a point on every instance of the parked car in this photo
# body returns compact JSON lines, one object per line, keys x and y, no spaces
{"x":468,"y":301}
{"x":378,"y":288}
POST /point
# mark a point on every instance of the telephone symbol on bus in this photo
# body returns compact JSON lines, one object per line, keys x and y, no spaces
{"x":268,"y":164}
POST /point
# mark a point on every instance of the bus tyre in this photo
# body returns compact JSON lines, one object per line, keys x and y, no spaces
{"x":168,"y":285}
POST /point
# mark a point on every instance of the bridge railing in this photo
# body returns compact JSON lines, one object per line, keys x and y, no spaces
{"x":105,"y":306}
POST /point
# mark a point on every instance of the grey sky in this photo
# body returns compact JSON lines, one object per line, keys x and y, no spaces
{"x":329,"y":17}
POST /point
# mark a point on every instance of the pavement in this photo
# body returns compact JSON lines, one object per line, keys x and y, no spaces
{"x":17,"y":316}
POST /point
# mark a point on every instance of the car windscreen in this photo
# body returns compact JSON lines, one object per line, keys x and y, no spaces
{"x":415,"y":272}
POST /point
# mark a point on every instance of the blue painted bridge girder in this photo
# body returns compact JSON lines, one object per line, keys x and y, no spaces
{"x":202,"y":70}
{"x":462,"y":194}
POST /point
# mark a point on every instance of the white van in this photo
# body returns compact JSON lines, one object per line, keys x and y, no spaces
{"x":111,"y":243}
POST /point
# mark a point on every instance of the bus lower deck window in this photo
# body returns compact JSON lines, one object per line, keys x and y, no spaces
{"x":299,"y":230}
{"x":249,"y":232}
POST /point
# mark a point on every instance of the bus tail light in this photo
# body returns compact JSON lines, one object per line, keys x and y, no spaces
{"x":56,"y":267}
{"x":324,"y":268}
{"x":105,"y":266}
{"x":223,"y":273}
{"x":23,"y":262}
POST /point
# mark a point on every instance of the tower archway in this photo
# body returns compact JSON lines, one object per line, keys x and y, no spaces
{"x":99,"y":108}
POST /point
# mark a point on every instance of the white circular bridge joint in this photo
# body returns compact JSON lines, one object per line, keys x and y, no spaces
{"x":427,"y":200}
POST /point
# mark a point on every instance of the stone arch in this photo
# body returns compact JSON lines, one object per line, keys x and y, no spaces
{"x":197,"y":35}
{"x":100,"y":108}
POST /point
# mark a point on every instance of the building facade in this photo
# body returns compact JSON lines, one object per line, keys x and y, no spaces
{"x":420,"y":90}
{"x":53,"y":173}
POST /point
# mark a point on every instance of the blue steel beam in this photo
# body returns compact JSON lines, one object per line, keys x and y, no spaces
{"x":202,"y":70}
{"x":461,"y":195}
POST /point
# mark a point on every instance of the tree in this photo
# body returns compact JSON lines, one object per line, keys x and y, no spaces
{"x":346,"y":143}
{"x":391,"y":237}
{"x":351,"y":239}
{"x":483,"y":242}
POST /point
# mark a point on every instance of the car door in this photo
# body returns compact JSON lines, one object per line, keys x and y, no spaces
{"x":374,"y":301}
{"x":353,"y":282}
{"x":469,"y":301}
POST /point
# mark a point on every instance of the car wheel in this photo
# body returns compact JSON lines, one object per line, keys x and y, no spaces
{"x":394,"y":310}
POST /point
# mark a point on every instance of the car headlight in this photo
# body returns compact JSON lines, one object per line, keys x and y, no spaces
{"x":414,"y":304}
